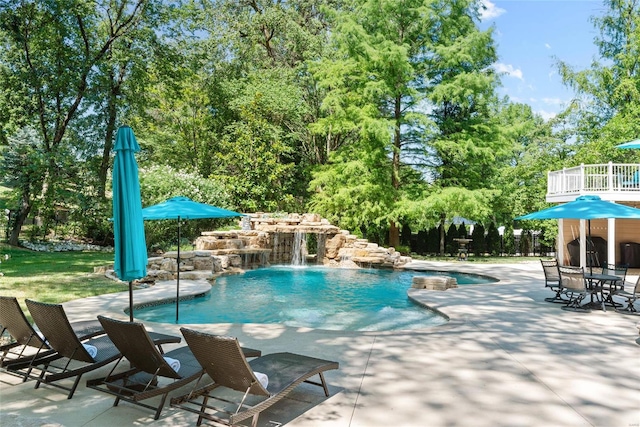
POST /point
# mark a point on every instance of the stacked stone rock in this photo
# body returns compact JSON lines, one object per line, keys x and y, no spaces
{"x":434,"y":283}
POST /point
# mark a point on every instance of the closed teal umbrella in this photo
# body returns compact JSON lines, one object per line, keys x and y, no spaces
{"x":128,"y":228}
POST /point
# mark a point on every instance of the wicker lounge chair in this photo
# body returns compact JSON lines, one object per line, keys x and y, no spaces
{"x":222,"y":359}
{"x":575,"y":287}
{"x":146,"y":365}
{"x":631,"y":297}
{"x":552,"y":280}
{"x":53,"y":323}
{"x":26,"y":341}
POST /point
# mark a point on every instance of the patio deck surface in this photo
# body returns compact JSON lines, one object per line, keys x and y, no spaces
{"x":505,"y":358}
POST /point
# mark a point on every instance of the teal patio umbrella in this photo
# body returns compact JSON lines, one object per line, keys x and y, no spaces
{"x":585,"y":207}
{"x":631,"y":144}
{"x":128,"y":228}
{"x":180,"y":208}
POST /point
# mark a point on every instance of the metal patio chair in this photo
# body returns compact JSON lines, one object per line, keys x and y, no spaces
{"x":575,"y":287}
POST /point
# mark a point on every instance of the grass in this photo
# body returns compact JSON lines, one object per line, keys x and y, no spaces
{"x":480,"y":259}
{"x":54,"y":277}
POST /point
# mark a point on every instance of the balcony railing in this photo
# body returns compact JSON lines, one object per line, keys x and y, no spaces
{"x":594,"y":179}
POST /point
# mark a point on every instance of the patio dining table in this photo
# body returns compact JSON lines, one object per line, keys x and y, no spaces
{"x":597,"y":284}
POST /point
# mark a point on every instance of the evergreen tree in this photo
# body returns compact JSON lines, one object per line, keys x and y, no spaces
{"x":493,"y":240}
{"x":479,"y":243}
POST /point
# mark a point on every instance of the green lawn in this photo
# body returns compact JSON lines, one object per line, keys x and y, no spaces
{"x":480,"y":259}
{"x":54,"y":276}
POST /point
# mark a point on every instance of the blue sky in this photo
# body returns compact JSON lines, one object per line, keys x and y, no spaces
{"x":531,"y":36}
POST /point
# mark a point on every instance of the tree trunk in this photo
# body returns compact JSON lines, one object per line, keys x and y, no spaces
{"x":394,"y":235}
{"x":394,"y":231}
{"x":108,"y":144}
{"x":442,"y":234}
{"x":23,"y":213}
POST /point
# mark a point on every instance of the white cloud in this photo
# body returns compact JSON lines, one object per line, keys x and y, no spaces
{"x":553,"y":101}
{"x":546,"y":115}
{"x":509,"y":70}
{"x":489,"y":10}
{"x":547,"y":45}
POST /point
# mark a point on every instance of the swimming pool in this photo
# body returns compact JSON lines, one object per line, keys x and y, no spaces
{"x":314,"y":297}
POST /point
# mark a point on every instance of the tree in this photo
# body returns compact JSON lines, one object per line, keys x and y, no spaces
{"x":607,"y":105}
{"x":22,"y":168}
{"x":493,"y":240}
{"x":393,"y":59}
{"x":50,"y":57}
{"x":479,"y":241}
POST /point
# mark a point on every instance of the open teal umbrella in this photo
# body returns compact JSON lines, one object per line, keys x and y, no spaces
{"x":585,"y":207}
{"x":180,"y":208}
{"x":631,"y":144}
{"x":128,"y":228}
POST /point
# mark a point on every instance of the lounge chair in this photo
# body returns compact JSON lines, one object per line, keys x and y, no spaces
{"x":54,"y":325}
{"x":26,"y":341}
{"x":575,"y":287}
{"x":552,"y":280}
{"x":145,"y":366}
{"x":631,"y":297}
{"x":222,"y":359}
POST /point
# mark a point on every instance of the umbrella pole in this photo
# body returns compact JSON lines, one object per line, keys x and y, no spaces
{"x":178,"y":275}
{"x":130,"y":301}
{"x":593,"y":248}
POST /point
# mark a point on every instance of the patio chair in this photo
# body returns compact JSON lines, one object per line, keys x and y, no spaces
{"x":552,"y":280}
{"x":26,"y":343}
{"x":631,"y":297}
{"x":53,"y":323}
{"x":237,"y":379}
{"x":619,"y":270}
{"x":575,"y":287}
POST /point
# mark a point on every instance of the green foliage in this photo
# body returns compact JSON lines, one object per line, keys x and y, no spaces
{"x":462,"y":231}
{"x":375,"y":114}
{"x":255,"y":156}
{"x":354,"y":189}
{"x":158,"y":183}
{"x":509,"y":240}
{"x":52,"y":55}
{"x":493,"y":240}
{"x":526,"y":243}
{"x":451,"y":246}
{"x":433,"y":240}
{"x":608,"y":108}
{"x":479,"y":242}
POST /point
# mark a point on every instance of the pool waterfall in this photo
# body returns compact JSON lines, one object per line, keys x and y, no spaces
{"x":299,"y":248}
{"x":266,"y":240}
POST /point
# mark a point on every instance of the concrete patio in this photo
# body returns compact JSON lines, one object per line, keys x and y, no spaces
{"x":505,"y":358}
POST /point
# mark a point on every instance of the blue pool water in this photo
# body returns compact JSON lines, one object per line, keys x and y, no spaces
{"x":314,"y":297}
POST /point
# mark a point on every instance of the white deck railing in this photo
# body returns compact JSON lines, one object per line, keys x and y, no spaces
{"x":594,"y":179}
